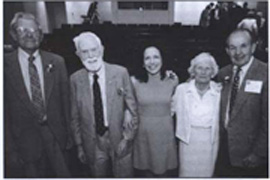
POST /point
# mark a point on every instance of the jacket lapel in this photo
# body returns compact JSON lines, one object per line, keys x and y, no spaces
{"x":110,"y":83}
{"x":242,"y":96}
{"x":225,"y":93}
{"x":16,"y":79}
{"x":48,"y":73}
{"x":189,"y":96}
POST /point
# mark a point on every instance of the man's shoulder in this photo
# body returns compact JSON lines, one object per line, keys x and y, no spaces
{"x":10,"y":55}
{"x":260,"y":65}
{"x":51,"y":55}
{"x":115,"y":68}
{"x":260,"y":69}
{"x":225,"y":69}
{"x":77,"y":74}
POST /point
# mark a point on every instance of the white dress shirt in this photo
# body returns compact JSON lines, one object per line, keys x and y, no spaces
{"x":242,"y":75}
{"x":24,"y":65}
{"x":102,"y":85}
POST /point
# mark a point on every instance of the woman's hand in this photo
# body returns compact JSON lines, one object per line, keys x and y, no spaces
{"x":123,"y":148}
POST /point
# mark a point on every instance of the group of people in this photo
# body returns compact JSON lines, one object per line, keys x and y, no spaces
{"x":120,"y":123}
{"x":228,"y":15}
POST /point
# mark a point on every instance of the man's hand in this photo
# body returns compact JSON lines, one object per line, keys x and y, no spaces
{"x":81,"y":155}
{"x":251,"y":161}
{"x":122,"y":149}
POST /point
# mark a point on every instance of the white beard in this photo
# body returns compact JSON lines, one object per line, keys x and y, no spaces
{"x":92,"y":67}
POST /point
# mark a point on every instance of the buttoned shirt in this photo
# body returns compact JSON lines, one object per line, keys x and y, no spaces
{"x":242,"y":75}
{"x":102,"y":85}
{"x":24,"y":65}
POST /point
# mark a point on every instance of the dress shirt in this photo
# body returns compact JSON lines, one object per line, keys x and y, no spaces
{"x":243,"y":71}
{"x":242,"y":75}
{"x":24,"y":65}
{"x":102,"y":85}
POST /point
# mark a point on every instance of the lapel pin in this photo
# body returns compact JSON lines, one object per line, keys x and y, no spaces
{"x":226,"y":79}
{"x":121,"y":91}
{"x":49,"y":68}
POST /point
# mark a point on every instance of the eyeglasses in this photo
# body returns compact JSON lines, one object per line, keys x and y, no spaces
{"x":22,"y":31}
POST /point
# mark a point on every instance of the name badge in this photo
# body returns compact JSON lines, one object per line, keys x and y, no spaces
{"x":253,"y":86}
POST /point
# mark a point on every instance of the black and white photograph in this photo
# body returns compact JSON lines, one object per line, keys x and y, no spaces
{"x":135,"y":89}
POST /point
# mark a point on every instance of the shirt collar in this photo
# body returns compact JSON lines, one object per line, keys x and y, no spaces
{"x":25,"y":55}
{"x":100,"y":72}
{"x":245,"y":67}
{"x":192,"y":88}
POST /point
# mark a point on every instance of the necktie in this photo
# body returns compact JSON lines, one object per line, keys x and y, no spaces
{"x":37,"y":99}
{"x":234,"y":90}
{"x":98,"y":108}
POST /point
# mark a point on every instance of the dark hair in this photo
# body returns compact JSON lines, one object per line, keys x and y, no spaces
{"x":141,"y":73}
{"x":251,"y":35}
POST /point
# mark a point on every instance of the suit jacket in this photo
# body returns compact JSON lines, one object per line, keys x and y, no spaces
{"x":248,"y":125}
{"x":22,"y":130}
{"x":120,"y":96}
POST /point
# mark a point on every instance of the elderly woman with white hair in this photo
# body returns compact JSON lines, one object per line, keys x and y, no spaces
{"x":196,"y":104}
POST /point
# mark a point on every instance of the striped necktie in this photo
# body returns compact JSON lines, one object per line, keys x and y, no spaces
{"x":234,"y":90}
{"x":37,"y":98}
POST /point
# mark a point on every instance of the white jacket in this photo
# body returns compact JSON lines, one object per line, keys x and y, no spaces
{"x":181,"y":106}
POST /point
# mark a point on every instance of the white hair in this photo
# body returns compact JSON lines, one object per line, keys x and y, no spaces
{"x":203,"y":57}
{"x":86,"y":35}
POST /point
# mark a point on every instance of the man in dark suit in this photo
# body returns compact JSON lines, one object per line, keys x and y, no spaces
{"x":36,"y":111}
{"x":104,"y":111}
{"x":243,"y":148}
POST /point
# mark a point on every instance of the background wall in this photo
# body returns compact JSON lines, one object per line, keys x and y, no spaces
{"x":188,"y":12}
{"x":143,"y":16}
{"x":105,"y":10}
{"x":52,"y":14}
{"x":39,"y":10}
{"x":56,"y":14}
{"x":75,"y":9}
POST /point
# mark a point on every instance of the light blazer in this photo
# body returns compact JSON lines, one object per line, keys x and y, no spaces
{"x":22,"y":130}
{"x":120,"y":96}
{"x":181,"y":105}
{"x":248,"y":125}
